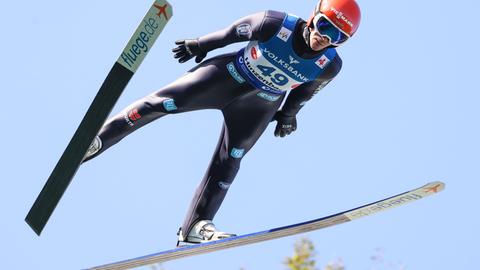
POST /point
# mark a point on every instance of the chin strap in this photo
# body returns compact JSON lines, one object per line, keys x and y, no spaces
{"x":306,"y":35}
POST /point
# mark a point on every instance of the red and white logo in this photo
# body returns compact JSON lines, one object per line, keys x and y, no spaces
{"x":322,"y":62}
{"x":435,"y":188}
{"x":134,"y":115}
{"x":254,"y":53}
{"x":341,"y":16}
{"x":162,"y":10}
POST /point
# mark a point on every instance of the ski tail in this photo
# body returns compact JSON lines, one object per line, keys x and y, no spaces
{"x":127,"y":64}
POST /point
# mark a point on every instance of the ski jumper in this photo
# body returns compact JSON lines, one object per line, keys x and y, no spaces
{"x":248,"y":87}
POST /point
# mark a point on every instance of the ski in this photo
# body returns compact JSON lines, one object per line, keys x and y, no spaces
{"x":289,"y":230}
{"x":117,"y":79}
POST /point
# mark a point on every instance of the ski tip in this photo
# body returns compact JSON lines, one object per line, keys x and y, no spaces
{"x":433,"y":187}
{"x":164,"y":8}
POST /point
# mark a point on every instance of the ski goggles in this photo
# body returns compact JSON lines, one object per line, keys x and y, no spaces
{"x":327,"y":28}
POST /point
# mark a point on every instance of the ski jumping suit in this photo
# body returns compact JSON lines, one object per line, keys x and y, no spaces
{"x":248,"y":86}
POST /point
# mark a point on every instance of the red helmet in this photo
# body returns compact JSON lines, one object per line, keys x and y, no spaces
{"x":345,"y":14}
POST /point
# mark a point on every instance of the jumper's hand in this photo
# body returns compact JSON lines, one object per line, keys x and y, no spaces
{"x":286,"y":124}
{"x":187,"y":49}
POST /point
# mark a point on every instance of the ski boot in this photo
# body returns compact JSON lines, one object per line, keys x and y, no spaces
{"x":93,"y":148}
{"x":204,"y":231}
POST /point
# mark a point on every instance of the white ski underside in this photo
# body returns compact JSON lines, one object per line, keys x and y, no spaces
{"x":316,"y":224}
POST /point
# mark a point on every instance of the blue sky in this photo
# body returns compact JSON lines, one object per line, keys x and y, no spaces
{"x":402,"y":112}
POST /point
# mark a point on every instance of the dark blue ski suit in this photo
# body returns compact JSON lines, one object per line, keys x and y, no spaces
{"x":223,"y":83}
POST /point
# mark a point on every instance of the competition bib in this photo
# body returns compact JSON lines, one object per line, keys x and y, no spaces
{"x":273,"y":66}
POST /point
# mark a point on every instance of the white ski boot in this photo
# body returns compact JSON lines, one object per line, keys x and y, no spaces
{"x":203,"y":231}
{"x":93,"y":148}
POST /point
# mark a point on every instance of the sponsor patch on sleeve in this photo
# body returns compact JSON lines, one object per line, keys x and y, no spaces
{"x":244,"y":30}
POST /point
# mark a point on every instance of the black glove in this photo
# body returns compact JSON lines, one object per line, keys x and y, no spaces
{"x":187,"y":49}
{"x":286,"y":124}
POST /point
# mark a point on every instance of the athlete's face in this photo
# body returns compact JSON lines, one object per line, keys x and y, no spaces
{"x":317,"y":41}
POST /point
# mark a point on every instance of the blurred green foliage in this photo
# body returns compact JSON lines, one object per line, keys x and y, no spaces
{"x":303,"y":258}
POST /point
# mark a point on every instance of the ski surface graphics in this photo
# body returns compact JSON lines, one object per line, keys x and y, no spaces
{"x":316,"y":224}
{"x":117,"y":79}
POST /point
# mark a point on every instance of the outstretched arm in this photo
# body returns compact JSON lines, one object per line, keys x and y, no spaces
{"x":259,"y":26}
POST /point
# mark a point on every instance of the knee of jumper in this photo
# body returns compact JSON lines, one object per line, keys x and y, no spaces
{"x":148,"y":109}
{"x":167,"y":105}
{"x":236,"y":154}
{"x":161,"y":104}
